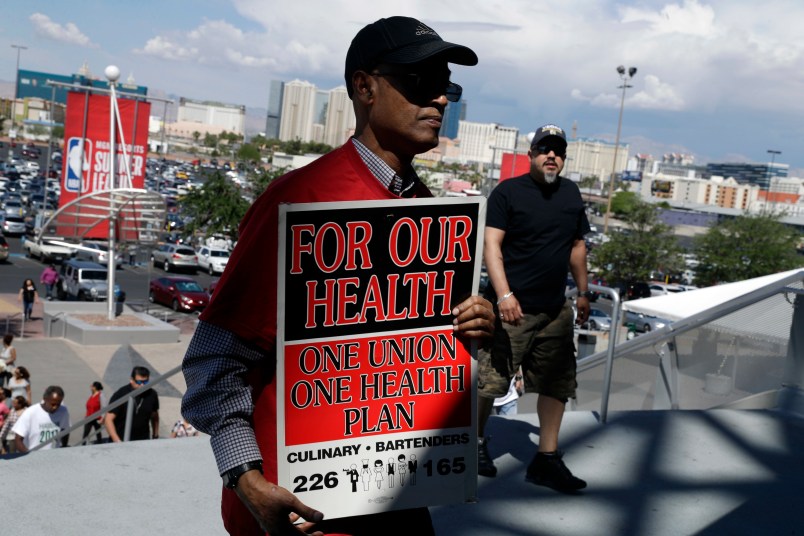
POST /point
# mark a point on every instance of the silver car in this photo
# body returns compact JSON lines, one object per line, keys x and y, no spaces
{"x":598,"y":320}
{"x":14,"y":208}
{"x":642,"y":323}
{"x":13,"y":225}
{"x":95,"y":251}
{"x":172,"y":257}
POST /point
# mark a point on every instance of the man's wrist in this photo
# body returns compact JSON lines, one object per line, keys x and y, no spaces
{"x":232,"y":476}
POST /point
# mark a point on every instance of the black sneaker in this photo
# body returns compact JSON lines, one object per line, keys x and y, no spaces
{"x":485,"y":465}
{"x":549,"y":470}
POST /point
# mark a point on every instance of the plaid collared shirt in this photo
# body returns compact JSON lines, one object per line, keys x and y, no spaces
{"x":401,"y":186}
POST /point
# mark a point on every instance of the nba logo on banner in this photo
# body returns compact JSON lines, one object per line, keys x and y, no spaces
{"x":78,"y":156}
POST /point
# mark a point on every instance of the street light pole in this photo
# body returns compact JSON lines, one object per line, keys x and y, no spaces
{"x":773,"y":154}
{"x":625,"y":78}
{"x":112,"y":75}
{"x":16,"y":81}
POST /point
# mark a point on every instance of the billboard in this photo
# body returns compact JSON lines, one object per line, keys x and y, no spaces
{"x":375,"y":393}
{"x":87,"y":158}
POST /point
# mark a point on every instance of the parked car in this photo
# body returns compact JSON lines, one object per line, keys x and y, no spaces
{"x":85,"y":281}
{"x":598,"y":320}
{"x":97,"y":251}
{"x":46,"y":251}
{"x":662,"y":289}
{"x":172,"y":257}
{"x":3,"y":249}
{"x":212,"y":260}
{"x":643,"y":323}
{"x":13,"y":225}
{"x":633,"y":290}
{"x":179,"y":293}
{"x":14,"y":207}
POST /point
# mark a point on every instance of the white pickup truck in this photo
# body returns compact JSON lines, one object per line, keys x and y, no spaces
{"x":45,"y":251}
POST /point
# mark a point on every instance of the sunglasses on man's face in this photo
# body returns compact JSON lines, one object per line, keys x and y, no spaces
{"x":425,"y":86}
{"x":141,"y":382}
{"x":559,"y":151}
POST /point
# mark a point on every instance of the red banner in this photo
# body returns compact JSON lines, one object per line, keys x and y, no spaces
{"x":87,"y":159}
{"x":514,"y":165}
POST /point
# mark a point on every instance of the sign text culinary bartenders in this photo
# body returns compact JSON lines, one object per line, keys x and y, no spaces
{"x":374,"y":390}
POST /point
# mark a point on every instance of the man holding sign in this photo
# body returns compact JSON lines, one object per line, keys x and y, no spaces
{"x":398,"y":79}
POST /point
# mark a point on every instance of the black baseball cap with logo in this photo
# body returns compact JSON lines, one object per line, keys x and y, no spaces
{"x":548,"y":131}
{"x":400,"y":40}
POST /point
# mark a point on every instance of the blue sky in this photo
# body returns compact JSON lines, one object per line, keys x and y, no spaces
{"x":720,"y":79}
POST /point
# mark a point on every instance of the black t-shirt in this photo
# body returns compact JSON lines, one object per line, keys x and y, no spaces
{"x":28,"y":293}
{"x":541,"y":222}
{"x":144,"y":405}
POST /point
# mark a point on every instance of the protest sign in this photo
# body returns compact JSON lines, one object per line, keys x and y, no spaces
{"x":376,"y":399}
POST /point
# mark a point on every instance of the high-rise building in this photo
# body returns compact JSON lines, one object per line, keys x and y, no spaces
{"x":274,"y":109}
{"x":480,"y":142}
{"x":340,"y":119}
{"x":298,"y":111}
{"x":453,"y":115}
{"x":588,"y":156}
{"x":747,"y":173}
{"x":219,"y":116}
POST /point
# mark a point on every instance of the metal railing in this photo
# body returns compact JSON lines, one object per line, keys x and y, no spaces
{"x":664,"y":342}
{"x":117,"y":403}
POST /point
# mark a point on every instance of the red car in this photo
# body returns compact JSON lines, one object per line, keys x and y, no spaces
{"x":179,"y":293}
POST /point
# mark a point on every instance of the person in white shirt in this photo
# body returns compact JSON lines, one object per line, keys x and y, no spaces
{"x":43,"y":422}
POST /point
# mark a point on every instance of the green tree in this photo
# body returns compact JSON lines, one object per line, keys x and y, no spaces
{"x":623,"y":203}
{"x":217,"y":206}
{"x":745,"y":247}
{"x":196,"y":136}
{"x":293,"y":146}
{"x":260,"y":180}
{"x":259,"y":141}
{"x":57,"y":133}
{"x":210,"y":140}
{"x":646,"y":245}
{"x":588,"y":182}
{"x":248,"y":153}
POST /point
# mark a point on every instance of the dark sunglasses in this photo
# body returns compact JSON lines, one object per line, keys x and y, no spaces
{"x":425,"y":86}
{"x":141,"y":382}
{"x":560,"y":152}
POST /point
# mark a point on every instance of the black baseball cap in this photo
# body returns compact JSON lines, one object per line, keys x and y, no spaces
{"x":548,"y":131}
{"x":400,"y":40}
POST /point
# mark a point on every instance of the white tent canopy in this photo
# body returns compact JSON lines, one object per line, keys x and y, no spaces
{"x":773,"y":321}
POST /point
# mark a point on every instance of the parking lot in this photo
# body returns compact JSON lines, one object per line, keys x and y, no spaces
{"x":133,"y":280}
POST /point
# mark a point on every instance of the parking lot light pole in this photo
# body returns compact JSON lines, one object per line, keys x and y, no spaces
{"x":773,"y":154}
{"x":112,"y":74}
{"x":625,"y":78}
{"x":16,"y":82}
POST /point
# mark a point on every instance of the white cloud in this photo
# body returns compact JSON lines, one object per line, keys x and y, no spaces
{"x":67,"y":33}
{"x":691,"y":18}
{"x":163,"y":48}
{"x":219,"y":43}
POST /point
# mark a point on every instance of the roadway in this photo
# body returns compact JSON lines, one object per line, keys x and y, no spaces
{"x":134,"y":280}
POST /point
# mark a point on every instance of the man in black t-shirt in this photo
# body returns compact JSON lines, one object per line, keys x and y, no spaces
{"x":145,"y":421}
{"x":534,"y":233}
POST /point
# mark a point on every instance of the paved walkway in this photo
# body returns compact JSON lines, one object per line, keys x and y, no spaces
{"x":57,"y":361}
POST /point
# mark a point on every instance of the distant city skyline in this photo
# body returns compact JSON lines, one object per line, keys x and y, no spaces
{"x":714,"y":80}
